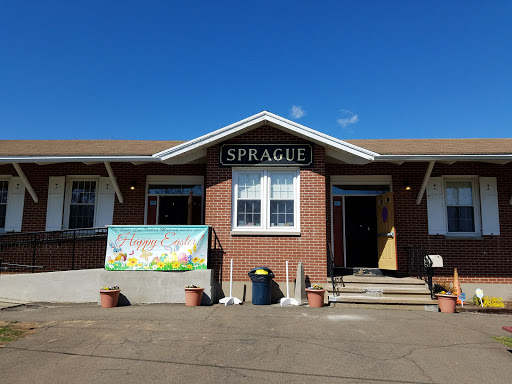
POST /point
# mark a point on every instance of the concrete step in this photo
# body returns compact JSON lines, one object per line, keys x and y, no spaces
{"x":376,"y":280}
{"x":391,"y":290}
{"x":365,"y":299}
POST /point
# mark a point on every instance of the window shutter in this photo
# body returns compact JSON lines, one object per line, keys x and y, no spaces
{"x":105,"y":203}
{"x":55,"y":205}
{"x":15,"y":202}
{"x":435,"y":207}
{"x":489,"y":203}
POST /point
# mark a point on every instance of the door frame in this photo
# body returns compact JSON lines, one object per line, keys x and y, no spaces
{"x":172,"y":180}
{"x":352,"y":180}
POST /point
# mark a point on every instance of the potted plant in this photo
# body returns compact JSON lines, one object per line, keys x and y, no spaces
{"x":193,"y":295}
{"x":315,"y":296}
{"x":446,"y":301}
{"x":109,"y":296}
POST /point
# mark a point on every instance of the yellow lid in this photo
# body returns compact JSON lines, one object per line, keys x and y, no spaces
{"x":261,"y":272}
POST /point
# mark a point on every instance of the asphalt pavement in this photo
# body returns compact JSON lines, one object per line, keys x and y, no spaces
{"x":173,"y":343}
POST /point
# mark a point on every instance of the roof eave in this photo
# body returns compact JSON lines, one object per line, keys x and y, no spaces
{"x":481,"y":157}
{"x":77,"y":159}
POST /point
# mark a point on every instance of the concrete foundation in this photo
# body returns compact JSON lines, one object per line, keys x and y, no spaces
{"x":83,"y":286}
{"x":496,"y":290}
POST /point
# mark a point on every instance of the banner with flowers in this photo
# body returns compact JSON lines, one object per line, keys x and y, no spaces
{"x":157,"y":248}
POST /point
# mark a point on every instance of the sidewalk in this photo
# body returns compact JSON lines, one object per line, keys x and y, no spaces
{"x":247,"y":343}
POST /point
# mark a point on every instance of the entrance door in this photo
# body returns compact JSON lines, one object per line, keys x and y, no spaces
{"x":360,"y":232}
{"x":386,"y":233}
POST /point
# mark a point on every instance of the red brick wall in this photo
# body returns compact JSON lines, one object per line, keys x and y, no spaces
{"x":131,"y":212}
{"x":487,"y":260}
{"x":248,"y":252}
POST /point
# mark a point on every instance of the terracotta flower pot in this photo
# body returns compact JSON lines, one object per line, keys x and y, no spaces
{"x":315,"y":297}
{"x":109,"y":298}
{"x":193,"y":296}
{"x":446,"y":303}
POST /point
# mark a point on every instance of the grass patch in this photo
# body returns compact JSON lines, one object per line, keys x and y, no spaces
{"x":507,"y":340}
{"x":14,"y":330}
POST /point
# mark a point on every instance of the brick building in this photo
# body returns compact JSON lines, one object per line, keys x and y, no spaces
{"x":275,"y":190}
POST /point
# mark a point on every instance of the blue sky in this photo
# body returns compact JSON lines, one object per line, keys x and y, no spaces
{"x":175,"y":70}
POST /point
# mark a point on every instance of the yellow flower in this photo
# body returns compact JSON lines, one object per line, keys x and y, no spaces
{"x":195,"y":260}
{"x":160,"y":265}
{"x":202,"y":261}
{"x":190,"y":266}
{"x":176,"y":265}
{"x":139,"y":265}
{"x":131,"y":262}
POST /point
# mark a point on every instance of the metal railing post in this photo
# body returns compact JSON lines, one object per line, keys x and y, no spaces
{"x":34,"y":252}
{"x":73,"y":252}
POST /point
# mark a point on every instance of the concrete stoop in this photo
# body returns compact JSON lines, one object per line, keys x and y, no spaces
{"x":382,"y":291}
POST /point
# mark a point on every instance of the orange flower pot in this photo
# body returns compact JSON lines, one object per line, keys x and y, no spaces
{"x":109,"y":297}
{"x":446,"y":303}
{"x":315,"y":297}
{"x":193,"y":296}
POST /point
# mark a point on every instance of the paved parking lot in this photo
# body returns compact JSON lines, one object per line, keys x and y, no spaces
{"x":247,"y":343}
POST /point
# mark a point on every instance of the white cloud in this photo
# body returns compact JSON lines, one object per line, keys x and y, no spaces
{"x":297,"y":112}
{"x":350,"y":118}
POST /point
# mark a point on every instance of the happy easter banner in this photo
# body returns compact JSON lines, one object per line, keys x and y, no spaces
{"x":157,"y":248}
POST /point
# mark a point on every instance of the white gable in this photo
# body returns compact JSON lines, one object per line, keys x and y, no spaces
{"x":196,"y":148}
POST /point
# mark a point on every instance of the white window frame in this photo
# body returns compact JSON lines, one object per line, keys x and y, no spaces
{"x":265,"y":228}
{"x":475,"y":186}
{"x":68,"y":193}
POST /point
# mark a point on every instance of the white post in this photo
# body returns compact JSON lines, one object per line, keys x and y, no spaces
{"x":231,"y":280}
{"x":230,"y":300}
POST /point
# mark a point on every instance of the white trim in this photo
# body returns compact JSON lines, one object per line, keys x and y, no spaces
{"x":260,"y":119}
{"x":475,"y":188}
{"x":425,"y":182}
{"x":171,"y":180}
{"x":114,"y":181}
{"x":353,"y":180}
{"x":25,"y":181}
{"x":76,"y":159}
{"x":174,"y":179}
{"x":265,"y":229}
{"x":448,"y":158}
{"x":361,"y":179}
{"x":68,"y":192}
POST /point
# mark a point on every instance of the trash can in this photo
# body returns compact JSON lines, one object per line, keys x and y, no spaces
{"x":261,"y":278}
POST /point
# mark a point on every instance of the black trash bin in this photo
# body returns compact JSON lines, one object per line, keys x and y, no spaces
{"x":261,"y":278}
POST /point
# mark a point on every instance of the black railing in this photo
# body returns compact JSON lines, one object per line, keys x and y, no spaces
{"x":336,"y":281}
{"x":55,"y":250}
{"x":420,"y":265}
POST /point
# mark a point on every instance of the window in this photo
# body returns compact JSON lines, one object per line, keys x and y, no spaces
{"x":460,"y":206}
{"x":265,"y":201}
{"x":82,"y":204}
{"x":463,"y":206}
{"x":4,"y":187}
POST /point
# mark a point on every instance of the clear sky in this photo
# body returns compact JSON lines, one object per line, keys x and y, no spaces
{"x":175,"y":70}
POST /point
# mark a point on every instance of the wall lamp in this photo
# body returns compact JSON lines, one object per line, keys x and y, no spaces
{"x":133,"y":184}
{"x":407,"y":186}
